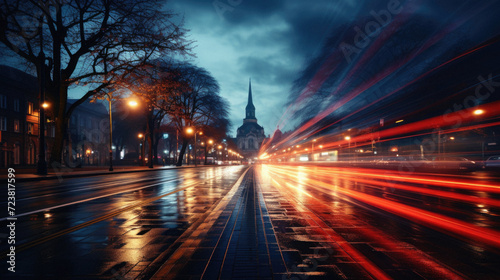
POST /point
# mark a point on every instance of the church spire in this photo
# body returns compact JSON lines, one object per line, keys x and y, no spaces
{"x":250,"y":109}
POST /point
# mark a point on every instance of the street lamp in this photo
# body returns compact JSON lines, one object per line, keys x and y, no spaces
{"x":211,"y":142}
{"x":42,"y":163}
{"x":220,"y":153}
{"x":141,"y":136}
{"x":348,"y":138}
{"x":110,"y":133}
{"x":87,"y":152}
{"x":192,"y":130}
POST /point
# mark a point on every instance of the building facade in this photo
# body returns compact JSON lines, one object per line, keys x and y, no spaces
{"x":250,"y":135}
{"x":87,"y":141}
{"x":19,"y":119}
{"x":88,"y":134}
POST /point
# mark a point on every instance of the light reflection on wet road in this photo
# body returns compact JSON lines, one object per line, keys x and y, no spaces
{"x":111,"y":225}
{"x":396,"y":224}
{"x":312,"y":222}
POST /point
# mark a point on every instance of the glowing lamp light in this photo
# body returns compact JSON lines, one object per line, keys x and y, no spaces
{"x":140,"y":135}
{"x":189,"y":130}
{"x":133,"y":103}
{"x":347,"y":138}
{"x":478,"y":112}
{"x":45,"y":105}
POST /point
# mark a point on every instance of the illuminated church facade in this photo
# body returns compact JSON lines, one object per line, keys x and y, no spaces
{"x":250,"y":135}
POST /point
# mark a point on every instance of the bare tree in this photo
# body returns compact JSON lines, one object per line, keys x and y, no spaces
{"x":90,"y":43}
{"x":157,"y":86}
{"x":198,"y":105}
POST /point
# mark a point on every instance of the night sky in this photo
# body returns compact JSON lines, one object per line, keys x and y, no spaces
{"x":268,"y":41}
{"x":286,"y":47}
{"x":275,"y":42}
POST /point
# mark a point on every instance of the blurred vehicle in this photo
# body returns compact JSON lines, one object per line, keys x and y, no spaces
{"x":453,"y":164}
{"x":492,"y":162}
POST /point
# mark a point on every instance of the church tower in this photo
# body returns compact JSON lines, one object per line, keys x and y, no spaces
{"x":250,"y":135}
{"x":250,"y":109}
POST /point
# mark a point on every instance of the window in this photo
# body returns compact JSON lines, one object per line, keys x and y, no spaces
{"x":30,"y":108}
{"x":16,"y":105}
{"x":3,"y":123}
{"x":251,"y":145}
{"x":16,"y":126}
{"x":30,"y":128}
{"x":3,"y":101}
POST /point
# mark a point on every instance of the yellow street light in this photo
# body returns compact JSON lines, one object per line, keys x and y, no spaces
{"x":140,"y":135}
{"x":189,"y":130}
{"x":133,"y":103}
{"x":347,"y":138}
{"x":45,"y":105}
{"x":478,"y":112}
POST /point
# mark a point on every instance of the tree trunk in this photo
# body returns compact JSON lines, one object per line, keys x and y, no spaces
{"x":155,"y":149}
{"x":150,"y":129}
{"x":182,"y":152}
{"x":61,"y":123}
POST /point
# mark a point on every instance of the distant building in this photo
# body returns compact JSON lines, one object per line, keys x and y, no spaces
{"x":88,"y":132}
{"x":19,"y":119}
{"x":87,"y":140}
{"x":250,"y":135}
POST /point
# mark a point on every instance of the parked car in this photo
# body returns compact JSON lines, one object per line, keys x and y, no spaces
{"x":492,"y":162}
{"x":453,"y":164}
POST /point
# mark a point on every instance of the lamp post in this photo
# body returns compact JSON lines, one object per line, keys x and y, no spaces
{"x":192,"y":130}
{"x":141,"y":136}
{"x":110,"y":134}
{"x":42,"y":163}
{"x":348,"y":138}
{"x":211,"y":142}
{"x":41,"y":168}
{"x":87,"y":152}
{"x":220,"y":153}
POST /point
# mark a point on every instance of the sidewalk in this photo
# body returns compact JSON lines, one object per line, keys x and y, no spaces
{"x":235,"y":241}
{"x":28,"y":174}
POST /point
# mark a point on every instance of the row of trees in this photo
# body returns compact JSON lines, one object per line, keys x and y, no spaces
{"x":105,"y":46}
{"x":180,"y":95}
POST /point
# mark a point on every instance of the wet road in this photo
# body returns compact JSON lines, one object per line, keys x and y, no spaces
{"x":267,"y":222}
{"x":347,"y":223}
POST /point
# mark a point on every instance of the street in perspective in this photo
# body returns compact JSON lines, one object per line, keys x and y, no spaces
{"x":153,"y":139}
